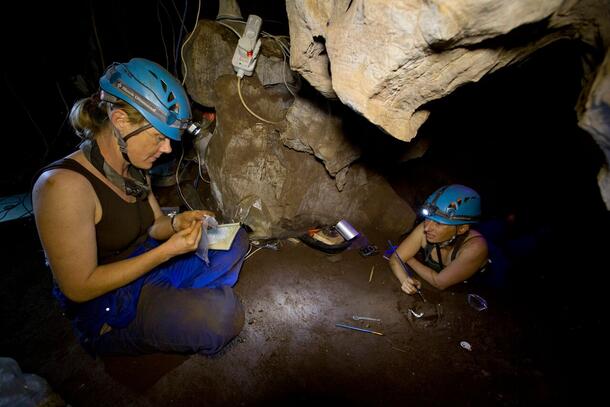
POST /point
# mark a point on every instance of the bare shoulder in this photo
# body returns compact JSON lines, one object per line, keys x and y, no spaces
{"x":61,"y":186}
{"x":475,"y":244}
{"x":418,"y":233}
{"x":476,"y":239}
{"x":411,"y":244}
{"x":415,"y":235}
{"x":60,"y":179}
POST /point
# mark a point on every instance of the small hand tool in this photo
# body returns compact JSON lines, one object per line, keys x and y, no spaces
{"x":409,"y":273}
{"x":359,"y":318}
{"x":359,"y":329}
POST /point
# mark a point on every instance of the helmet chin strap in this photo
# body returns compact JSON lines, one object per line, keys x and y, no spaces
{"x":438,"y":246}
{"x":122,"y":141}
{"x":135,"y":184}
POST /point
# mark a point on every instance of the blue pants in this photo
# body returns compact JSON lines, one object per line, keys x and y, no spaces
{"x":183,"y":305}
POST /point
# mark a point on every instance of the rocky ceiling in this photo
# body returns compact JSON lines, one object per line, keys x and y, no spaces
{"x":388,"y":59}
{"x":295,"y":164}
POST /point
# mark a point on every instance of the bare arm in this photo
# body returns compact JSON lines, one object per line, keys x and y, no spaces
{"x":407,"y":250}
{"x":469,"y":259}
{"x":162,"y":228}
{"x":65,"y":209}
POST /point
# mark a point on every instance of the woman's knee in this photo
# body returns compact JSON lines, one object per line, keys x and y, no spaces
{"x":220,"y":319}
{"x":230,"y":316}
{"x":193,"y":320}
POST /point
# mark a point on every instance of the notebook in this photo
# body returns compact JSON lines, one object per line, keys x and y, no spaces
{"x":221,"y":237}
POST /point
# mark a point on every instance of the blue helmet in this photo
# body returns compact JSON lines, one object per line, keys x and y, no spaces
{"x":453,"y":205}
{"x":153,"y":91}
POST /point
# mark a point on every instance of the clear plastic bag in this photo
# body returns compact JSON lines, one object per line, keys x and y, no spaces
{"x":202,"y":249}
{"x":477,"y":302}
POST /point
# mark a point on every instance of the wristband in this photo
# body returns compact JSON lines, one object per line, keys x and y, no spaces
{"x":172,"y":217}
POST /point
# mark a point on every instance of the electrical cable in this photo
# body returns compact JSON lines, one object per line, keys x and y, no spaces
{"x":285,"y":55}
{"x":61,"y":95}
{"x":284,"y":76}
{"x":249,"y":250}
{"x":187,"y":40}
{"x":58,"y":132}
{"x":243,"y":102}
{"x":162,"y":36}
{"x":178,"y":178}
{"x":230,"y":28}
{"x":97,"y":39}
{"x":251,"y":254}
{"x":66,"y":116}
{"x":199,"y":166}
{"x":27,"y":111}
{"x":182,"y":29}
{"x":263,"y":33}
{"x":171,"y":24}
{"x":181,"y":17}
{"x":277,"y":38}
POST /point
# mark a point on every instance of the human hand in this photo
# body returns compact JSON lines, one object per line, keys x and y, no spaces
{"x":183,"y":220}
{"x":410,"y":285}
{"x":185,"y":240}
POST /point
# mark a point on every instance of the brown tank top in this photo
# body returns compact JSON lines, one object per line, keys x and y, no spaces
{"x":123,"y":226}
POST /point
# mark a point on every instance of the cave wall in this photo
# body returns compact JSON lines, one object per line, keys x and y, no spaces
{"x":297,"y":168}
{"x":388,"y":60}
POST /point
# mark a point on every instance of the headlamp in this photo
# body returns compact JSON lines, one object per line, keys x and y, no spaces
{"x":428,"y":210}
{"x":193,"y":128}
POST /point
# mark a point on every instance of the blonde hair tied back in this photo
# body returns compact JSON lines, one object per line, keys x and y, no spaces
{"x":89,"y":115}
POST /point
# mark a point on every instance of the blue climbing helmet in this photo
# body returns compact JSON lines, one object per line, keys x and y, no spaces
{"x":154,"y":92}
{"x":453,"y":205}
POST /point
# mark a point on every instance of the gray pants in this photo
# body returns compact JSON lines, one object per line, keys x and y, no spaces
{"x":184,"y":320}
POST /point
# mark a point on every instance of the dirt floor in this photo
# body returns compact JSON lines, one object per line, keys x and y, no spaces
{"x":533,"y":345}
{"x":291,"y":351}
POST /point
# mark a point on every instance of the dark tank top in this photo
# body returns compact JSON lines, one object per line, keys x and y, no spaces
{"x":438,"y":266}
{"x":123,"y":225}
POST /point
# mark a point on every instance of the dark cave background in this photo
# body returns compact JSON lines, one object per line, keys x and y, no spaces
{"x":513,"y":136}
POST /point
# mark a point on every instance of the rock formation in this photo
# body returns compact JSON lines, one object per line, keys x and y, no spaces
{"x":385,"y":60}
{"x":388,"y":59}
